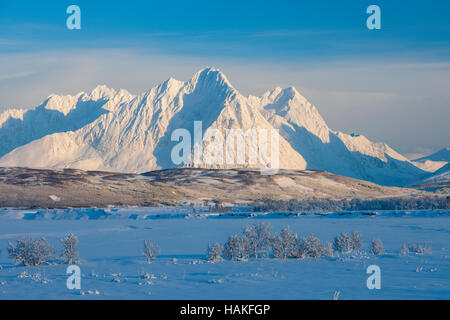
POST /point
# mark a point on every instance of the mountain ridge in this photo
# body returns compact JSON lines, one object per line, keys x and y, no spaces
{"x":440,"y":155}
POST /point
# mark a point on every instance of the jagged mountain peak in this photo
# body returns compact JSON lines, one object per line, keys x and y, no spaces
{"x":280,"y":96}
{"x":288,"y":110}
{"x":11,"y":114}
{"x":102,"y":92}
{"x":62,"y":103}
{"x":211,"y":78}
{"x":67,"y":103}
{"x":171,"y":87}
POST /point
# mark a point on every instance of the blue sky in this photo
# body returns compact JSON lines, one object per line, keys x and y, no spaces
{"x":257,"y":29}
{"x":376,"y":82}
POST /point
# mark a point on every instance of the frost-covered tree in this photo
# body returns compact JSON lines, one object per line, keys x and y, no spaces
{"x":419,"y":248}
{"x":31,"y":252}
{"x":231,"y":249}
{"x":277,"y":247}
{"x":151,"y":250}
{"x":328,"y":250}
{"x":259,"y":236}
{"x":336,"y":295}
{"x":290,"y":242}
{"x":312,"y":247}
{"x":214,"y":252}
{"x":246,"y":249}
{"x":404,"y":248}
{"x":376,"y":247}
{"x":285,"y":245}
{"x":343,"y":243}
{"x":70,"y":248}
{"x":237,"y":248}
{"x":356,"y":240}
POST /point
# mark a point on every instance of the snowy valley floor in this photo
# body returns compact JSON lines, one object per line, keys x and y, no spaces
{"x":111,"y":242}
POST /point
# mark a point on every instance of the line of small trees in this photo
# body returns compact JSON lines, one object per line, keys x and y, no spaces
{"x":258,"y":241}
{"x":422,"y":203}
{"x":416,"y":248}
{"x":35,"y":252}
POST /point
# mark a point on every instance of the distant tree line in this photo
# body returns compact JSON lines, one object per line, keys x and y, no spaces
{"x":418,"y":203}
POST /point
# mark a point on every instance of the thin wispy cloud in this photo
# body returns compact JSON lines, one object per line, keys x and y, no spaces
{"x":18,"y":75}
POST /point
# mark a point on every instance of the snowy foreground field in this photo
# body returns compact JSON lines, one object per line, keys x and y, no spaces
{"x":113,"y":267}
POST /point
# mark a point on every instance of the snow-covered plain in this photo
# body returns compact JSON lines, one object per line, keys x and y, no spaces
{"x":111,"y":242}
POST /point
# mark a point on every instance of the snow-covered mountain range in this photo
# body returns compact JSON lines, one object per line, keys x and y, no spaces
{"x":435,"y":161}
{"x":119,"y":131}
{"x":438,"y":163}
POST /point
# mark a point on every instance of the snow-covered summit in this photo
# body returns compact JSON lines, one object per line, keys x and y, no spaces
{"x":102,"y":92}
{"x":434,"y":162}
{"x":287,"y":108}
{"x":62,"y":103}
